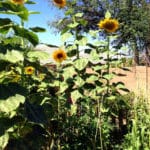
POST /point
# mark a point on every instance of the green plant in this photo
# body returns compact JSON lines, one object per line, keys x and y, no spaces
{"x":22,"y":115}
{"x":66,"y":107}
{"x":138,"y":136}
{"x":87,"y":101}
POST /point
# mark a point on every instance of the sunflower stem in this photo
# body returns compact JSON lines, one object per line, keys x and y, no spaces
{"x":108,"y":62}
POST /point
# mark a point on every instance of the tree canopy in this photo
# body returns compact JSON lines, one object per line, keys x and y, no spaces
{"x":133,"y":15}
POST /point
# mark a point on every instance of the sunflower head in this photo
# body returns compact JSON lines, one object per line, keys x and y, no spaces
{"x":18,"y":2}
{"x":59,"y":55}
{"x":60,"y":3}
{"x":29,"y":70}
{"x":110,"y":25}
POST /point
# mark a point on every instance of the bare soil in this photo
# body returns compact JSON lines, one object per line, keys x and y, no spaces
{"x":137,"y":79}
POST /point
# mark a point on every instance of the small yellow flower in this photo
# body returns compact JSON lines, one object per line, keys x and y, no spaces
{"x":59,"y":55}
{"x":29,"y":70}
{"x":18,"y":2}
{"x":110,"y":25}
{"x":60,"y":3}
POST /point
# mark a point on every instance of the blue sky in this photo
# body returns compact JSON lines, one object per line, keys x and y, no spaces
{"x":48,"y":12}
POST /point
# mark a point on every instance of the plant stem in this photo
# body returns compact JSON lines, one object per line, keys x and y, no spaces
{"x":108,"y":62}
{"x":59,"y":76}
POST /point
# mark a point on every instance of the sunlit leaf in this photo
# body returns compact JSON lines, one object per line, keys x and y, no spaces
{"x":11,"y":103}
{"x":65,"y":36}
{"x":63,"y":87}
{"x":68,"y":72}
{"x":73,"y":25}
{"x":79,"y":81}
{"x":75,"y":95}
{"x":94,"y":56}
{"x":24,"y":33}
{"x":111,"y":98}
{"x":81,"y":63}
{"x":4,"y":140}
{"x":109,"y":76}
{"x":12,"y":56}
{"x":73,"y":109}
{"x":78,"y":14}
{"x":40,"y":55}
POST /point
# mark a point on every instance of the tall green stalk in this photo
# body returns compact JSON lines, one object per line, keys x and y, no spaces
{"x":108,"y":62}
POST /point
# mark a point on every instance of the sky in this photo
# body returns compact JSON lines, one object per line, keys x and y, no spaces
{"x":48,"y":12}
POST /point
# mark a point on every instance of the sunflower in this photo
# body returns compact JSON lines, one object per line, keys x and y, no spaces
{"x":18,"y":2}
{"x":29,"y":70}
{"x":60,"y":3}
{"x":59,"y":55}
{"x":110,"y":25}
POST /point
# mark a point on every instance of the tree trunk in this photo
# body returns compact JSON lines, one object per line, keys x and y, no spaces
{"x":136,"y":56}
{"x":147,"y":56}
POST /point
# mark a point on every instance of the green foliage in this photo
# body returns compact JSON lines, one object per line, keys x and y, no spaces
{"x":139,"y":131}
{"x":69,"y":106}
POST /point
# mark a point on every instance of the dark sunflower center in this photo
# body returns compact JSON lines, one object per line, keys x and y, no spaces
{"x":59,"y":56}
{"x":58,"y":1}
{"x":109,"y":25}
{"x":29,"y":70}
{"x":17,"y":0}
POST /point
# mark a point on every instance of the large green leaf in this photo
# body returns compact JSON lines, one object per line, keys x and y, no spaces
{"x":65,"y":36}
{"x":91,"y":79}
{"x":75,"y":95}
{"x":35,"y":113}
{"x":73,"y":109}
{"x":63,"y":87}
{"x":94,"y":56}
{"x":68,"y":72}
{"x":12,"y":56}
{"x":10,"y":8}
{"x":4,"y":140}
{"x":11,"y":89}
{"x":11,"y":104}
{"x":30,"y":36}
{"x":38,"y":55}
{"x":30,"y":2}
{"x":37,"y":29}
{"x":109,"y":76}
{"x":81,"y":63}
{"x":79,"y":81}
{"x":5,"y":21}
{"x":5,"y":25}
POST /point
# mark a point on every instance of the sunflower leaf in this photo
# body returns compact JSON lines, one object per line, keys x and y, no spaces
{"x":81,"y":64}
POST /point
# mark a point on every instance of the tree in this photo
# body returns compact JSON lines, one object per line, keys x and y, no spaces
{"x":133,"y":16}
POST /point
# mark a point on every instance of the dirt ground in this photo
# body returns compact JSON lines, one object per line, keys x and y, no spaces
{"x":137,"y":79}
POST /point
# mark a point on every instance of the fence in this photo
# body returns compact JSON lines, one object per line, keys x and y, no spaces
{"x":136,"y":80}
